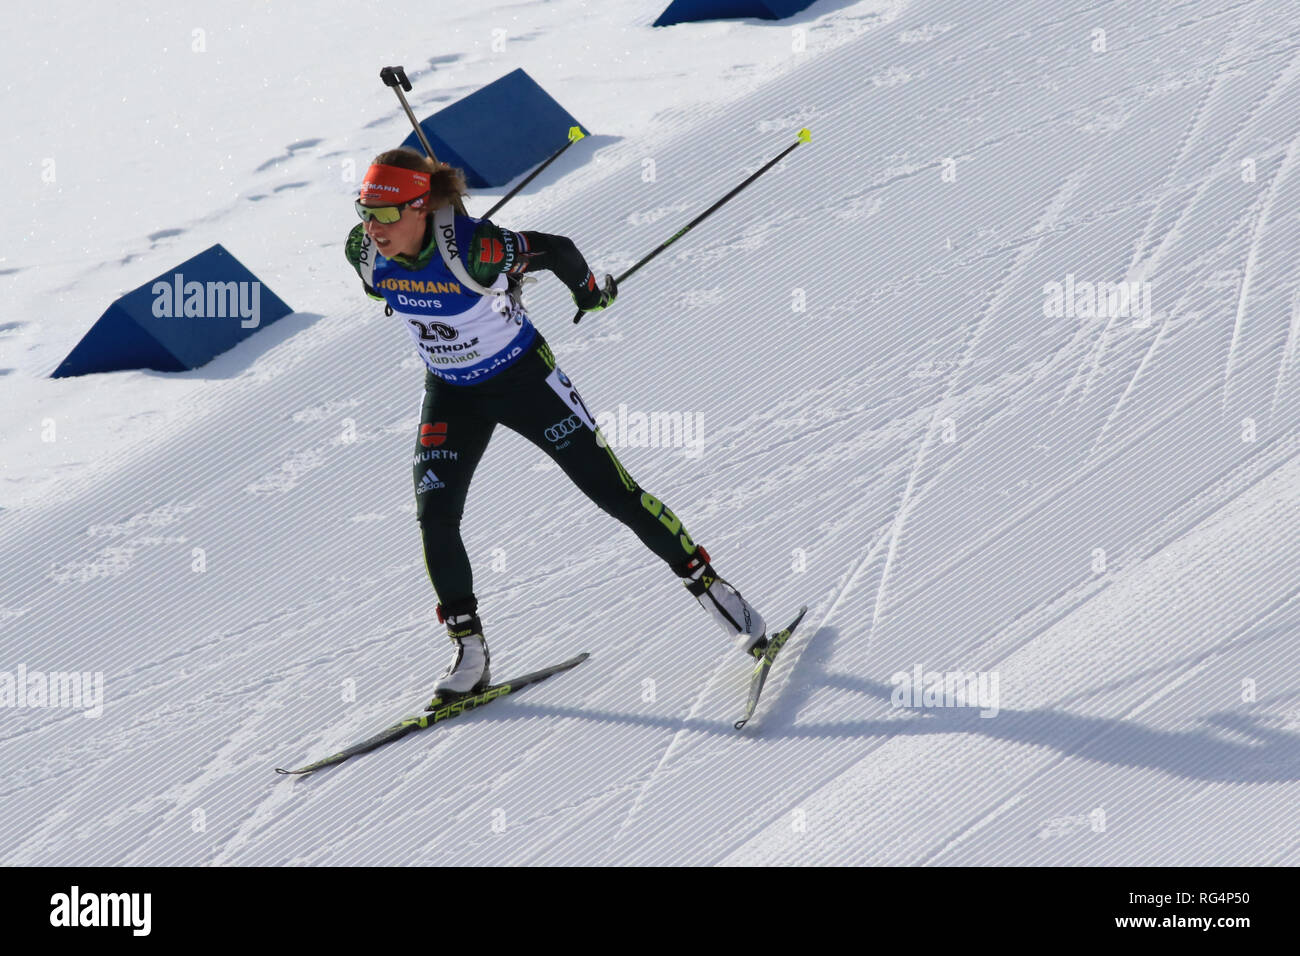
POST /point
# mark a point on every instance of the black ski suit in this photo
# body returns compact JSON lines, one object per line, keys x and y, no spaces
{"x":531,"y":396}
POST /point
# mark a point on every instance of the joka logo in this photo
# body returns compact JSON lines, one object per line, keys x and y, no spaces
{"x":449,"y":240}
{"x":433,"y":434}
{"x":560,"y":429}
{"x":429,"y":483}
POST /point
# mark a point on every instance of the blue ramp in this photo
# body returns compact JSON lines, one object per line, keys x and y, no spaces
{"x":685,"y":11}
{"x":498,"y":132}
{"x":179,"y":320}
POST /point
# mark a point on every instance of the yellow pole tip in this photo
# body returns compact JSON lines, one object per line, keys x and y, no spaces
{"x":575,"y":134}
{"x":804,"y":135}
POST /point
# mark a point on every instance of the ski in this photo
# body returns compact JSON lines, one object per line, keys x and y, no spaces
{"x":437,"y":711}
{"x":765,"y":657}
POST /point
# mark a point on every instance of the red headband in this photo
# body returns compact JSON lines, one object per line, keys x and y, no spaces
{"x":393,"y":184}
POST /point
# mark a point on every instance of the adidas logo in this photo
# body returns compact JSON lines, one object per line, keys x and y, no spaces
{"x":429,"y":482}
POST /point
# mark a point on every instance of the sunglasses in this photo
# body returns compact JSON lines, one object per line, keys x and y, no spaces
{"x":387,"y":214}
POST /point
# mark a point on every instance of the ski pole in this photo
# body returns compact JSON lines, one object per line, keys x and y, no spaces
{"x":803,"y":137}
{"x":575,"y":134}
{"x":395,"y":77}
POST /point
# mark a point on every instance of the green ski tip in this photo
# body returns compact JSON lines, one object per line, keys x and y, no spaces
{"x":765,"y":660}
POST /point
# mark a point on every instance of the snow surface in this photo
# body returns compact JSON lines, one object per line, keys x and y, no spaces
{"x":1096,"y":510}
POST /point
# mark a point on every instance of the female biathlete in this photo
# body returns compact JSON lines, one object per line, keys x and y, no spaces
{"x":455,"y":280}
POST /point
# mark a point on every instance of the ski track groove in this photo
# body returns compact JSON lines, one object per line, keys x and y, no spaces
{"x":1288,"y":352}
{"x":644,"y":790}
{"x":418,"y":771}
{"x":1261,"y":224}
{"x":225,"y":762}
{"x":1054,"y":207}
{"x":1050,"y":494}
{"x":1188,"y":292}
{"x":160,"y":721}
{"x":1256,"y":230}
{"x":538,"y":850}
{"x":1223,"y":247}
{"x":1190,"y":135}
{"x":1088,"y":589}
{"x":1186,"y":672}
{"x":1213,"y":175}
{"x":1196,"y":664}
{"x":545,"y":744}
{"x":882,"y":535}
{"x":320,"y":786}
{"x":838,"y":593}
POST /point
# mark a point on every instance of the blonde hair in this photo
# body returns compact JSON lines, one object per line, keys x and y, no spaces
{"x":446,"y":183}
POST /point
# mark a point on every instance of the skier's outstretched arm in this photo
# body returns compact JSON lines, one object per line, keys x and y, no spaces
{"x":495,"y":250}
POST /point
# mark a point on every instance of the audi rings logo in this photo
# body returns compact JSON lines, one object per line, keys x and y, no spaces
{"x":560,"y":429}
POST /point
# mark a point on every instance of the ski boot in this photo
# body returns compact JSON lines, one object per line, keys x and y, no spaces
{"x":468,"y":672}
{"x":724,"y":603}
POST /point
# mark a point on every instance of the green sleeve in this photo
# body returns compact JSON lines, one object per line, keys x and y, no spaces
{"x":352,"y":249}
{"x":494,"y":251}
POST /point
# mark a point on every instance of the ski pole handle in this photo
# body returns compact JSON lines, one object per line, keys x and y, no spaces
{"x":395,"y":78}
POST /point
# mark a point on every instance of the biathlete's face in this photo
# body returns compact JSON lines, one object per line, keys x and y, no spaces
{"x":394,"y":205}
{"x":405,"y":236}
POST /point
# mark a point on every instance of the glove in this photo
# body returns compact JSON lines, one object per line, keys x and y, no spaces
{"x":590,"y":298}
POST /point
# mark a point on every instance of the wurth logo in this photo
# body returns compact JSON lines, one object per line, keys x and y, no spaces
{"x":433,"y":434}
{"x":435,"y":454}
